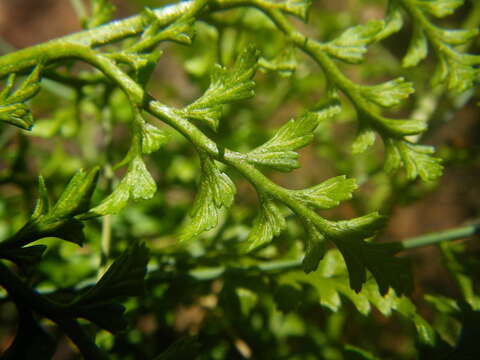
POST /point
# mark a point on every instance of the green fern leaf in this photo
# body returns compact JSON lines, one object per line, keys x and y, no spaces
{"x":314,"y":247}
{"x":102,"y":12}
{"x":75,"y":199}
{"x":279,"y":152}
{"x":364,"y":139}
{"x":456,"y":37}
{"x":270,"y":222}
{"x":284,"y":64}
{"x":137,"y":184}
{"x":124,"y":278}
{"x":153,"y":138}
{"x":388,"y":94}
{"x":43,"y":203}
{"x":349,"y":237}
{"x":328,"y":194}
{"x":216,"y":191}
{"x":417,"y":159}
{"x":331,"y":283}
{"x":13,"y":109}
{"x":352,"y":44}
{"x":439,"y":8}
{"x":298,"y":8}
{"x":226,"y":86}
{"x":418,"y":48}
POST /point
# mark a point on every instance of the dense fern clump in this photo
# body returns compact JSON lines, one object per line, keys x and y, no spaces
{"x":154,"y":147}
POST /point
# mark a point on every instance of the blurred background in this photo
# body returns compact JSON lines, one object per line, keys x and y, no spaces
{"x":68,"y":136}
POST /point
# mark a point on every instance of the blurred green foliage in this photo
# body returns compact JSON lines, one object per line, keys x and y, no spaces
{"x":209,"y":298}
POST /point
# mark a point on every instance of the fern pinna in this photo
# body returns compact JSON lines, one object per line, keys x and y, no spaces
{"x":287,"y":239}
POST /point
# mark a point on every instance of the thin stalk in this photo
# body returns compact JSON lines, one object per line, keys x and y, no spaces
{"x":269,"y":267}
{"x":105,"y":244}
{"x":441,"y":236}
{"x":289,"y":265}
{"x":27,"y":58}
{"x":211,"y":273}
{"x":106,"y":240}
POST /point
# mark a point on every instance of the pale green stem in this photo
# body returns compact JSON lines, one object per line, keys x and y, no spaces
{"x":430,"y":31}
{"x":105,"y":244}
{"x":288,"y":265}
{"x":115,"y":31}
{"x":438,"y":237}
{"x":211,"y":273}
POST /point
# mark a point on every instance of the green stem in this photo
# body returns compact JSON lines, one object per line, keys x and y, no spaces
{"x":288,"y":265}
{"x":262,"y":268}
{"x":438,"y":237}
{"x":438,"y":45}
{"x":236,"y":160}
{"x":212,"y":273}
{"x":115,"y":31}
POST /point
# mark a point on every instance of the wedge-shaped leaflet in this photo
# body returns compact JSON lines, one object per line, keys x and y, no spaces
{"x":180,"y":31}
{"x":314,"y":247}
{"x":269,"y":223}
{"x":394,"y":127}
{"x":216,"y":191}
{"x":456,"y":37}
{"x":439,"y":8}
{"x":58,"y":220}
{"x":418,"y":48}
{"x":139,"y":62}
{"x":75,"y":199}
{"x":364,"y":139}
{"x":141,"y":184}
{"x":456,"y":260}
{"x":153,"y":138}
{"x":460,"y":71}
{"x":349,"y":237}
{"x":13,"y":109}
{"x":352,"y":44}
{"x":388,"y":128}
{"x":279,"y":152}
{"x":418,"y":160}
{"x":297,"y":8}
{"x":137,"y":184}
{"x":226,"y":85}
{"x":43,"y":203}
{"x":328,"y":194}
{"x":388,"y":94}
{"x":284,"y":64}
{"x":393,"y":21}
{"x":102,"y":12}
{"x":331,"y":282}
{"x":124,"y":278}
{"x":387,"y":269}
